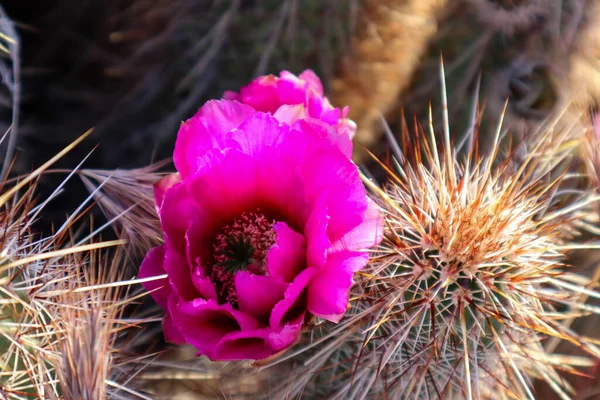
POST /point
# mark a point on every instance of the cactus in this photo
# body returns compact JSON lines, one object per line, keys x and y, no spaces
{"x":61,"y":304}
{"x":470,"y":281}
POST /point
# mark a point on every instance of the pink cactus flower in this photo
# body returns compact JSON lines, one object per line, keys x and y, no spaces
{"x":268,"y":93}
{"x":264,"y":225}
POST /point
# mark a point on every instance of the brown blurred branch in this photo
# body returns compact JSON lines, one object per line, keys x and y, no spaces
{"x":390,"y":38}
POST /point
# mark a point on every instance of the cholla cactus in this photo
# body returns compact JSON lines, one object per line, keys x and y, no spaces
{"x":23,"y":369}
{"x":27,"y":265}
{"x":60,"y":305}
{"x":88,"y":318}
{"x":469,"y":281}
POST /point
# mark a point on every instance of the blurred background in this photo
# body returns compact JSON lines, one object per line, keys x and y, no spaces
{"x":134,"y":69}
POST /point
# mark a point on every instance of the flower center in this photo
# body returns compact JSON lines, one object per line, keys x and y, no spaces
{"x":242,"y":245}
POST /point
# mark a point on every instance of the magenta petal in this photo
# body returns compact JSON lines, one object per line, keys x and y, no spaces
{"x":326,"y":168}
{"x":204,"y":323}
{"x":320,"y":109}
{"x":287,"y":335}
{"x":258,"y":132}
{"x":347,"y":128}
{"x":290,"y":89}
{"x":345,"y":112}
{"x":175,"y":213}
{"x":242,"y":183}
{"x":227,"y":188}
{"x":153,"y":266}
{"x":307,"y":136}
{"x":203,"y":284}
{"x":161,"y":187}
{"x":328,"y":290}
{"x":258,"y":294}
{"x":258,"y":344}
{"x":366,"y":235}
{"x":315,"y":233}
{"x":180,"y":274}
{"x":261,"y":94}
{"x":245,"y":345}
{"x":170,"y":332}
{"x":288,"y":114}
{"x":312,"y":80}
{"x":344,"y":140}
{"x":282,"y":187}
{"x":294,"y":303}
{"x":287,"y":257}
{"x":322,"y":137}
{"x":199,"y":236}
{"x":331,"y":116}
{"x":231,"y":95}
{"x":332,"y":175}
{"x":205,"y":131}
